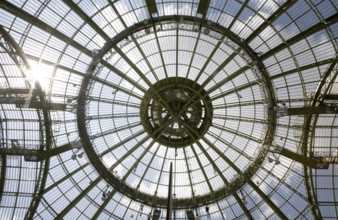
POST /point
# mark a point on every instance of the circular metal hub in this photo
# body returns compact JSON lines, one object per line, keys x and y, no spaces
{"x":176,"y":112}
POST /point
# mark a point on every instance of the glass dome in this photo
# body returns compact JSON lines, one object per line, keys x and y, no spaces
{"x":99,"y":98}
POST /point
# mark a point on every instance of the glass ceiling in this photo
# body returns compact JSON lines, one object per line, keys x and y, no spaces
{"x":99,"y":97}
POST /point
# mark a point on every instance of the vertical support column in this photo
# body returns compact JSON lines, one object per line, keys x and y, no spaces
{"x":170,"y":194}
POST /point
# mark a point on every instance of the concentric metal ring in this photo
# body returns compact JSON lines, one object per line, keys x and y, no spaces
{"x":183,"y":118}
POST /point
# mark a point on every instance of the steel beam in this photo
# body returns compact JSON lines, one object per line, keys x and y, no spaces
{"x":123,"y":75}
{"x":77,"y":199}
{"x":17,"y":91}
{"x":42,"y":25}
{"x":268,"y":201}
{"x":47,"y":132}
{"x":35,"y":155}
{"x":188,"y":171}
{"x":241,"y":134}
{"x":210,"y":56}
{"x":306,"y":67}
{"x":316,"y":162}
{"x":331,"y":97}
{"x":86,"y":18}
{"x":203,"y":7}
{"x":312,"y":110}
{"x":110,"y":196}
{"x":127,"y":190}
{"x":244,"y":4}
{"x":47,"y":105}
{"x":202,"y":169}
{"x":243,"y":207}
{"x":315,"y":28}
{"x":228,"y":78}
{"x":239,"y":201}
{"x":66,"y":177}
{"x":305,"y":137}
{"x":218,"y":85}
{"x":152,"y":8}
{"x":234,"y":90}
{"x":129,"y":152}
{"x":3,"y":175}
{"x":270,"y":19}
{"x":170,"y":193}
{"x":265,"y":198}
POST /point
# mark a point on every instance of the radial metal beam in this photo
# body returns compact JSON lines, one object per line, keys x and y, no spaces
{"x":243,"y":207}
{"x":315,"y":28}
{"x":203,"y":7}
{"x":129,"y":152}
{"x":114,"y":130}
{"x":210,"y":56}
{"x":138,"y":159}
{"x":306,"y":67}
{"x":217,"y":70}
{"x":75,"y":8}
{"x":145,"y":58}
{"x":129,"y":191}
{"x":123,"y":75}
{"x":270,"y":19}
{"x":122,"y":142}
{"x":268,"y":201}
{"x":226,"y":143}
{"x":77,"y":199}
{"x":218,"y":85}
{"x":188,"y":171}
{"x":112,"y":116}
{"x":46,"y":133}
{"x":212,"y":162}
{"x":239,"y":118}
{"x":110,"y":195}
{"x":290,"y":187}
{"x":228,"y":78}
{"x":152,"y":7}
{"x":115,"y":102}
{"x":244,"y":4}
{"x":234,"y":90}
{"x":154,"y":201}
{"x":241,"y":134}
{"x":202,"y":169}
{"x":160,"y":51}
{"x":143,"y":77}
{"x":239,"y":201}
{"x":117,"y":88}
{"x":66,"y":177}
{"x":170,"y":193}
{"x":104,"y":204}
{"x":239,"y":104}
{"x":194,"y":53}
{"x":42,"y":25}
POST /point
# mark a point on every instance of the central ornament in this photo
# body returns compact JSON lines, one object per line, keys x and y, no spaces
{"x":176,"y":112}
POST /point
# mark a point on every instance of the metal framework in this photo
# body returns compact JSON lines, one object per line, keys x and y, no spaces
{"x":46,"y":132}
{"x":93,"y":70}
{"x":212,"y":88}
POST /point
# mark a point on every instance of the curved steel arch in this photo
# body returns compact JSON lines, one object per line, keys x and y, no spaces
{"x":47,"y":132}
{"x":305,"y":136}
{"x":133,"y":193}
